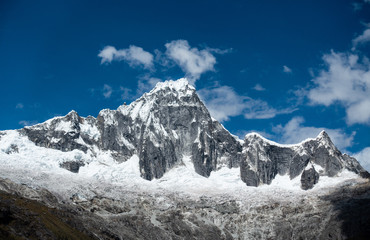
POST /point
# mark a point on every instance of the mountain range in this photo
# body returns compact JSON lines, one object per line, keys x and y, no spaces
{"x":167,"y":141}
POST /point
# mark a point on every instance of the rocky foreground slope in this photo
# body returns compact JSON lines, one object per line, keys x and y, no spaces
{"x":343,"y":213}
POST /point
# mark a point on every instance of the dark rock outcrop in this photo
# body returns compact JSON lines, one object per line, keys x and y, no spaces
{"x":309,"y":178}
{"x":73,"y":166}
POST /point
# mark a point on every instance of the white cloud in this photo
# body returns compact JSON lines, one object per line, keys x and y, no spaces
{"x":363,"y":38}
{"x":223,"y":102}
{"x":259,"y":87}
{"x":107,"y":54}
{"x":107,"y":91}
{"x":364,"y":158}
{"x":259,"y":109}
{"x":134,"y":56}
{"x":27,"y":123}
{"x":286,"y":69}
{"x":192,"y":61}
{"x":294,"y":132}
{"x":345,"y":81}
{"x":19,"y":106}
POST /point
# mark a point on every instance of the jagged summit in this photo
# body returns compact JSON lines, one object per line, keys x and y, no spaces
{"x":180,"y":85}
{"x":165,"y":94}
{"x":170,"y":124}
{"x":322,"y":137}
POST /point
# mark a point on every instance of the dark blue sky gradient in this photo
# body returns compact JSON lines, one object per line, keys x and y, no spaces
{"x":49,"y":51}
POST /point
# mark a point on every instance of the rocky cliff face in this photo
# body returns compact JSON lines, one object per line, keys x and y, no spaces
{"x":265,"y":159}
{"x":171,"y":121}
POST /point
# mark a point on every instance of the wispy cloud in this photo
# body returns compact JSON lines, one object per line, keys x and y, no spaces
{"x":19,"y":106}
{"x":259,"y":109}
{"x":25,"y":123}
{"x":192,"y":61}
{"x":294,"y":132}
{"x":219,"y":51}
{"x":258,"y":87}
{"x":107,"y":91}
{"x":361,"y":39}
{"x":286,"y":69}
{"x":126,"y":93}
{"x":346,"y":80}
{"x":134,"y":56}
{"x":223,"y":102}
{"x":357,"y":6}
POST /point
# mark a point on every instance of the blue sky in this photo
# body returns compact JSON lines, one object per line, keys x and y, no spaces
{"x":286,"y":69}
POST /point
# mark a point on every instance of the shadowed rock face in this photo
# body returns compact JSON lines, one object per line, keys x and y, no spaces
{"x":309,"y":178}
{"x":265,"y":159}
{"x":171,"y":121}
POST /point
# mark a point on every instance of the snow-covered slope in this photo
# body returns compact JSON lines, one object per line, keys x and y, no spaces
{"x":167,"y":135}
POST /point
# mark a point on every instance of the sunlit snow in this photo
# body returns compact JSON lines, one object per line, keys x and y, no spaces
{"x":39,"y":167}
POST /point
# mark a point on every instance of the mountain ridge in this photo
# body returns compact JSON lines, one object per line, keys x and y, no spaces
{"x":170,"y":122}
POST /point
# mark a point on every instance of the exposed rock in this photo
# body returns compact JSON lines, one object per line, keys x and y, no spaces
{"x":264,"y":159}
{"x":309,"y":178}
{"x":73,"y":166}
{"x":12,"y":149}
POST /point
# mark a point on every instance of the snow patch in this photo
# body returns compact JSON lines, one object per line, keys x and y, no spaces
{"x":64,"y":126}
{"x":90,"y":130}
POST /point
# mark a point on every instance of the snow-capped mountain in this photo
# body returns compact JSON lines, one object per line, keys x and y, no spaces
{"x":163,"y":168}
{"x":171,"y":122}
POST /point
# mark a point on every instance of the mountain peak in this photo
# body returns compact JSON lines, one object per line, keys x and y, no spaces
{"x":323,"y":134}
{"x":180,"y":85}
{"x":324,"y":138}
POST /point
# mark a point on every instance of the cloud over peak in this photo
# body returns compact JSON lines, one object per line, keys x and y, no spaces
{"x":192,"y":61}
{"x":223,"y":102}
{"x":134,"y":56}
{"x":294,"y":132}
